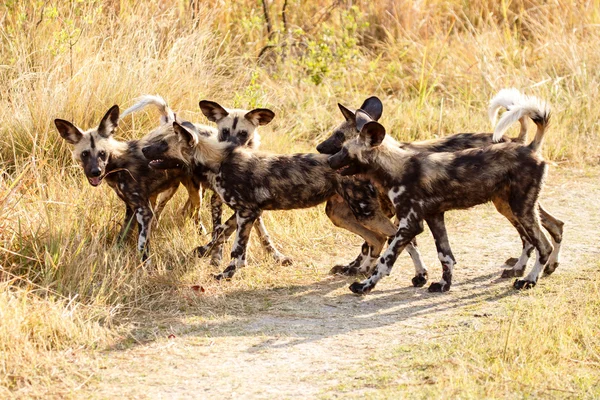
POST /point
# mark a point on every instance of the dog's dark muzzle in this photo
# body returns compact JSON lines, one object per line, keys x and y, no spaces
{"x":339,"y":160}
{"x":329,"y":146}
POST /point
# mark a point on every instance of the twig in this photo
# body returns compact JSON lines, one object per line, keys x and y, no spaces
{"x":267,"y":19}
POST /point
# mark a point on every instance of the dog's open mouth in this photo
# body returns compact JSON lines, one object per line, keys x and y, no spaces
{"x":343,"y":169}
{"x":95,"y":181}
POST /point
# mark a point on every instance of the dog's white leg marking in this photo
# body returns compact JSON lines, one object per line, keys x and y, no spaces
{"x":139,"y":215}
{"x":265,"y":240}
{"x":417,"y":259}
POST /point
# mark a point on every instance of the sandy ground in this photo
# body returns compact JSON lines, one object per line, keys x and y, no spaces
{"x":302,"y":339}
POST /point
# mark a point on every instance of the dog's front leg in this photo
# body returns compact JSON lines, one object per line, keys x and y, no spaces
{"x":144,"y":215}
{"x":245,"y":219}
{"x":215,"y":247}
{"x":127,"y":223}
{"x":265,"y":240}
{"x":410,"y":226}
{"x":438,"y":230}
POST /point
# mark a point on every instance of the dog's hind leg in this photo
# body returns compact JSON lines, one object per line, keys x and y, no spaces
{"x":514,"y":267}
{"x":341,"y":216}
{"x":194,"y":203}
{"x":438,"y":230}
{"x":525,"y":209}
{"x":162,"y":201}
{"x":554,"y":227}
{"x":265,"y":240}
{"x":245,"y":220}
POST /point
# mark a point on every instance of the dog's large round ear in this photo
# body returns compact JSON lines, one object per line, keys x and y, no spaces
{"x":361,"y":119}
{"x":186,"y":135}
{"x":373,"y":106}
{"x":260,"y":116}
{"x":346,"y":112}
{"x":372,"y":133}
{"x":68,"y":131}
{"x":109,"y":122}
{"x":213,"y":111}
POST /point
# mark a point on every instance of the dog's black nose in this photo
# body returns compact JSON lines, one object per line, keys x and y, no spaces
{"x":95,"y":172}
{"x":145,"y":150}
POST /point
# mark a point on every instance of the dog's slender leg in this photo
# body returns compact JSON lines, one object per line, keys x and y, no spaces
{"x":514,"y":267}
{"x":194,"y":203}
{"x":245,"y":220}
{"x":163,"y":198}
{"x":421,"y":274}
{"x":216,"y":210}
{"x":265,"y":240}
{"x":554,"y":227}
{"x":144,"y":217}
{"x":340,"y":214}
{"x":438,"y":230}
{"x":215,"y":246}
{"x":529,"y":220}
{"x":127,"y":224}
{"x":410,"y":226}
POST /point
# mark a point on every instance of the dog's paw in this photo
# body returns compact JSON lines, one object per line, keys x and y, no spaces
{"x":550,"y":268}
{"x":511,"y":262}
{"x":345,"y":270}
{"x":284,"y":260}
{"x":419,"y":280}
{"x":202,"y":251}
{"x":513,"y":273}
{"x":523,"y":284}
{"x":438,"y":287}
{"x":360,"y":288}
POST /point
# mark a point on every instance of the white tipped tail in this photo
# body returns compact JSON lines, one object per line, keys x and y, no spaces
{"x":505,"y":98}
{"x":167,"y":115}
{"x":522,"y":106}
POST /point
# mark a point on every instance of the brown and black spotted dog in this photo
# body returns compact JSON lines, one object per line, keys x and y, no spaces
{"x":424,"y":185}
{"x":248,"y":181}
{"x":358,"y":191}
{"x":125,"y":169}
{"x":238,"y":128}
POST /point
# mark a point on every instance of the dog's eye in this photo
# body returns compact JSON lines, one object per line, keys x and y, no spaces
{"x":102,"y":154}
{"x":340,"y":136}
{"x":242,"y":134}
{"x":85,"y":153}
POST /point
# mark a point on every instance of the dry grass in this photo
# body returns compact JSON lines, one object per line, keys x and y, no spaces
{"x":541,"y":344}
{"x":66,"y":282}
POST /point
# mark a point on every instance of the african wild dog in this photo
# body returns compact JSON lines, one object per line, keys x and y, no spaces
{"x":356,"y":194}
{"x":123,"y":166}
{"x":424,"y":185}
{"x":236,"y":128}
{"x":250,"y":181}
{"x":235,"y":122}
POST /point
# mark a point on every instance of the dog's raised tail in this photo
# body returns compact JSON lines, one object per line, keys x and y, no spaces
{"x":525,"y":106}
{"x":166,"y":114}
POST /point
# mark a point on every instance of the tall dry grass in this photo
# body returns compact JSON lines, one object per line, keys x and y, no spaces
{"x":435,"y":65}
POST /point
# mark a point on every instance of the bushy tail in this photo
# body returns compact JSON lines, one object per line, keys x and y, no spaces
{"x":518,"y":107}
{"x":167,"y":115}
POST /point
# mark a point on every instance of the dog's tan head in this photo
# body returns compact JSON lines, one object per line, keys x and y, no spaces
{"x":182,"y":145}
{"x":237,"y":126}
{"x":94,"y":148}
{"x":356,"y":155}
{"x":347,"y":129}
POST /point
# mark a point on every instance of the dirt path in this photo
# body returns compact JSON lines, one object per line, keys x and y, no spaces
{"x":297,"y":342}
